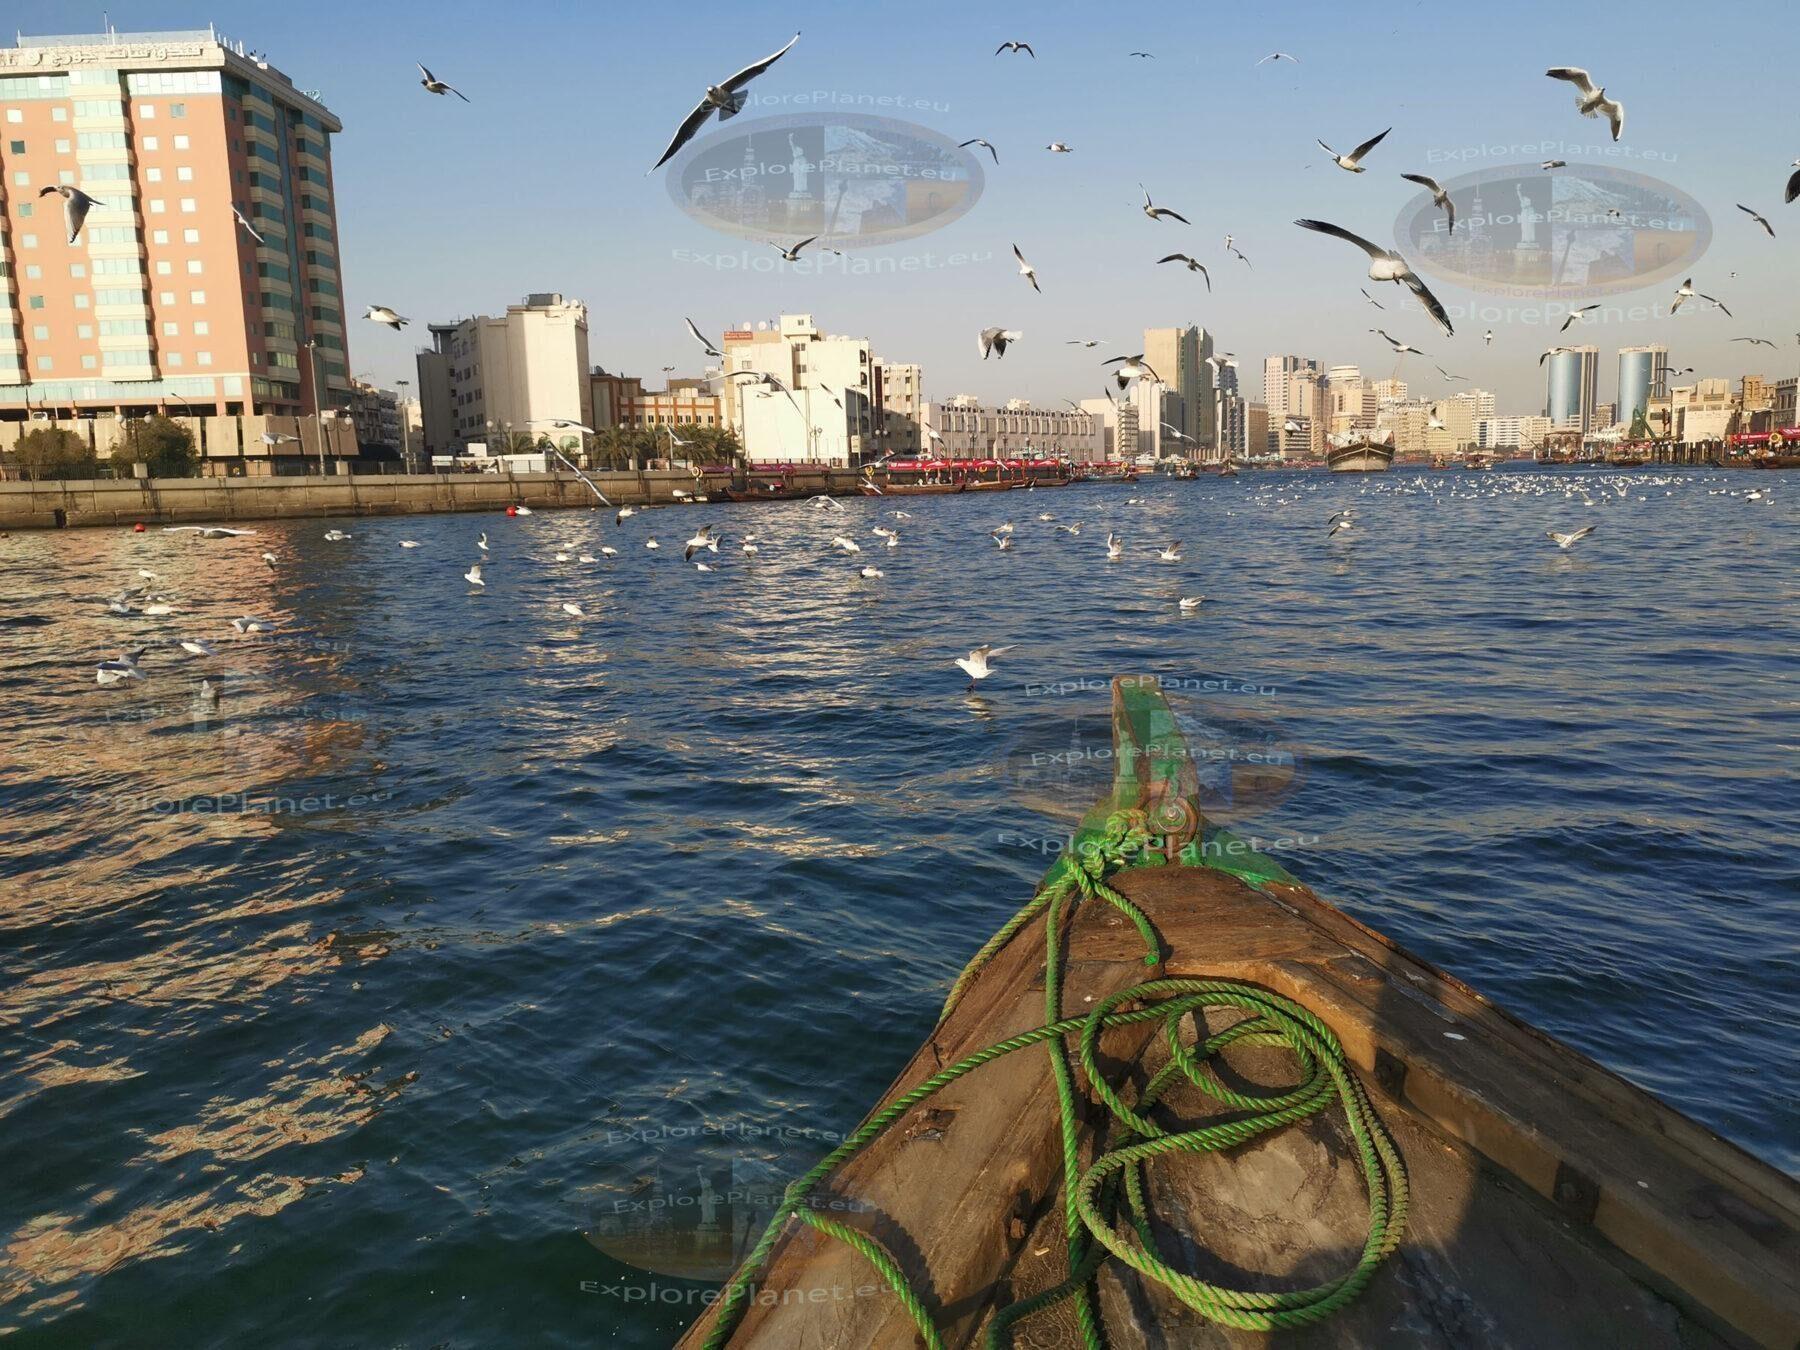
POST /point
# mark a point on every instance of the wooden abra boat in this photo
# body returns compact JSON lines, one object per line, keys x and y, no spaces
{"x":1444,"y":1176}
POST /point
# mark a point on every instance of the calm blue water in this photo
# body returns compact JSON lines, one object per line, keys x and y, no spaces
{"x":473,"y":974}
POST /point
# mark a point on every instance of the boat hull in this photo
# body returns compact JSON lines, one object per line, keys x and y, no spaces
{"x":1361,"y":459}
{"x":1550,"y":1203}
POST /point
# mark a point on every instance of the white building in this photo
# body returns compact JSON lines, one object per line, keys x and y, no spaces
{"x":1512,"y":433}
{"x":823,"y":411}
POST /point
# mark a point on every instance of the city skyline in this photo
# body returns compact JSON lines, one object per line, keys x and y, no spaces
{"x":439,"y":244}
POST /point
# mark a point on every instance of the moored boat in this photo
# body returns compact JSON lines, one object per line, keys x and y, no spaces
{"x":1180,"y":1100}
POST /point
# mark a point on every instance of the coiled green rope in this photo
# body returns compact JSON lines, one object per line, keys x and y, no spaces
{"x":1091,"y":1199}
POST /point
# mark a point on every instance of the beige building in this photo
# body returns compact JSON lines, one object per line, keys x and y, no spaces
{"x":968,"y":430}
{"x":163,"y":302}
{"x":622,"y":401}
{"x":1513,"y":433}
{"x":516,"y":374}
{"x":1181,"y":358}
{"x":898,"y":394}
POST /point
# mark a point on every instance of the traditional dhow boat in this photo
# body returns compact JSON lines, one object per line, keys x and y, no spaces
{"x":913,"y":478}
{"x":1179,"y":1100}
{"x":1360,"y":456}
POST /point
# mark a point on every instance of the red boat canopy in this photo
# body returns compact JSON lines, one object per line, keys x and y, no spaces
{"x":1788,"y":436}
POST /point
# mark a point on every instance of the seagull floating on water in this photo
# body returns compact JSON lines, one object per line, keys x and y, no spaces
{"x":1172,"y":553}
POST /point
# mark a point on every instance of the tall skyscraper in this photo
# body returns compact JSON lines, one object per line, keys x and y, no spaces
{"x":1572,"y":374}
{"x":1179,"y":356}
{"x":1639,"y":379}
{"x":164,"y":296}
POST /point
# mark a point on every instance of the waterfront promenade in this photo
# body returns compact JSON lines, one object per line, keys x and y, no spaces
{"x":176,"y":501}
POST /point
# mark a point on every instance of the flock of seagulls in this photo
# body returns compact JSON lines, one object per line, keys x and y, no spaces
{"x":1270,"y":496}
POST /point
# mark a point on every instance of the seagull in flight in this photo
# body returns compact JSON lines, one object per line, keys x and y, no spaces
{"x":1082,"y":342}
{"x":1439,"y":197}
{"x":1172,"y":553}
{"x":1158,"y":212}
{"x":726,"y":99}
{"x":1550,"y":164}
{"x":1353,"y":161}
{"x":963,"y":145}
{"x":1589,"y":99}
{"x":1115,"y":547}
{"x":279,"y":438}
{"x":792,"y":254}
{"x":382,"y":314}
{"x":1058,"y":148}
{"x":76,"y":205}
{"x":703,"y":539}
{"x":1448,"y":376}
{"x":1793,"y":183}
{"x":1027,"y":271}
{"x":1131,"y":368}
{"x":1686,"y":291}
{"x":206,"y":531}
{"x":1758,"y":218}
{"x":978,"y":664}
{"x":433,"y":85}
{"x":1400,"y":348}
{"x":1386,"y":265}
{"x":473,"y":576}
{"x":1569,"y":540}
{"x":995,"y":340}
{"x":703,"y":340}
{"x":1575,"y":316}
{"x":1487,"y":338}
{"x":1549,"y":352}
{"x":1149,"y":56}
{"x":1192,"y":265}
{"x":1371,"y":299}
{"x":1277,"y":56}
{"x":247,"y":227}
{"x":1755,"y":341}
{"x":1016,"y":47}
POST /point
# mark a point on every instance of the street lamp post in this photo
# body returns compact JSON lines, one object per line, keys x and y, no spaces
{"x":312,"y":366}
{"x":405,"y":426}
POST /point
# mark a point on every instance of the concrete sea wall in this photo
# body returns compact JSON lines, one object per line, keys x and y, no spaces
{"x":181,"y":501}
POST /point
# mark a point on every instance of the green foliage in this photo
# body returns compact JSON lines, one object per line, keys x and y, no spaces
{"x":55,"y":452}
{"x":162,"y":445}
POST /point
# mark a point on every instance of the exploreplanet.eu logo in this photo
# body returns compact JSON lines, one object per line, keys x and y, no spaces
{"x":1574,"y":231}
{"x":853,"y":180}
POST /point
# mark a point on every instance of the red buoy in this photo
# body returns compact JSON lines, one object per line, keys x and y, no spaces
{"x":512,"y":510}
{"x":138,"y":528}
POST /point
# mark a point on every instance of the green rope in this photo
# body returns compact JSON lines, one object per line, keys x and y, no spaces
{"x":1091,"y":1198}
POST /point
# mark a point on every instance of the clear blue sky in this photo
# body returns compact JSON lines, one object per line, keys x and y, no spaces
{"x":447,"y":209}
